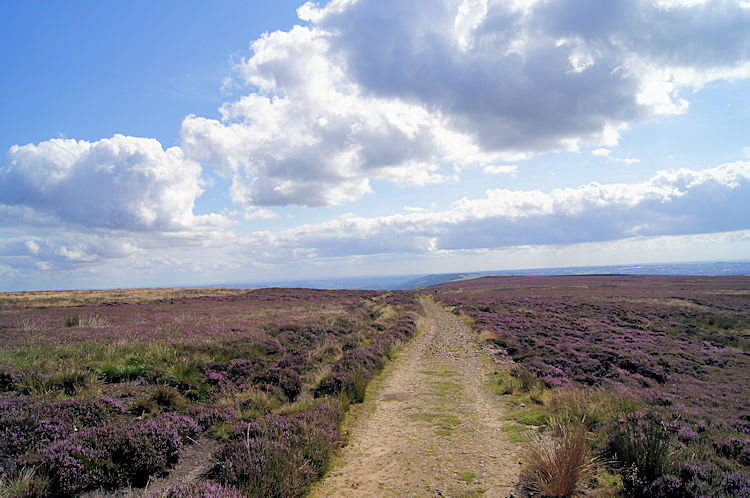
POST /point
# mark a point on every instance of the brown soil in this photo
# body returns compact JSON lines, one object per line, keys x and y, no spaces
{"x":429,"y":425}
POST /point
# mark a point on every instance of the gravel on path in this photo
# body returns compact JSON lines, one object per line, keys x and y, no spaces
{"x":430,"y":426}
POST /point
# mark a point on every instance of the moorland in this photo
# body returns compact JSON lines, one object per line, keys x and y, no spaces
{"x":606,"y":385}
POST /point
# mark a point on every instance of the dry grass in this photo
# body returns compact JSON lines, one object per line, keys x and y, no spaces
{"x":81,"y":297}
{"x":556,"y":466}
{"x":486,"y":336}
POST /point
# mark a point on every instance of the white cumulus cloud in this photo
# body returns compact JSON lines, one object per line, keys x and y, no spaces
{"x":119,"y":183}
{"x":397,"y":91}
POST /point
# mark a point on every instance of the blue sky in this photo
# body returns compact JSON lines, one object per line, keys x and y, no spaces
{"x":186,"y":143}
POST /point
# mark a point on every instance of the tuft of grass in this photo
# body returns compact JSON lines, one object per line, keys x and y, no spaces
{"x":23,"y":482}
{"x":358,"y":388}
{"x":161,"y":398}
{"x":72,"y":381}
{"x":30,"y":325}
{"x":257,"y":404}
{"x":527,"y":381}
{"x":117,"y":372}
{"x":251,"y":403}
{"x":642,"y":448}
{"x":486,"y":336}
{"x":72,"y":320}
{"x":93,"y":321}
{"x":573,"y":405}
{"x":556,"y":466}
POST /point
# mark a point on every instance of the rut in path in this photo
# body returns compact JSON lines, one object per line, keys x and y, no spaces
{"x":430,"y":427}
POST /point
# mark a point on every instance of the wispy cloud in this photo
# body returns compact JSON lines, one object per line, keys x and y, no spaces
{"x":670,"y":203}
{"x":506,"y":169}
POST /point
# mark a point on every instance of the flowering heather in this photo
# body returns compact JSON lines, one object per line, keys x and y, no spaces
{"x":26,"y":423}
{"x":679,"y":345}
{"x":108,"y":456}
{"x":180,"y":369}
{"x":281,"y":455}
{"x":200,"y":489}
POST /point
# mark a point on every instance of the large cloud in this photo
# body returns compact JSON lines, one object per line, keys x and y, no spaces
{"x":677,"y":202}
{"x":121,"y":183}
{"x":398,"y":90}
{"x":71,"y":204}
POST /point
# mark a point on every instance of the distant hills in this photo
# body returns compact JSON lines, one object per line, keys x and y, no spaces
{"x":409,"y":282}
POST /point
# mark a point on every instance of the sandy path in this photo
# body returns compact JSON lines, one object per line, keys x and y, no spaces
{"x":429,"y":427}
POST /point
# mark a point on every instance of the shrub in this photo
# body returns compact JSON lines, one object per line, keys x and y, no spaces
{"x":199,"y":489}
{"x":556,"y":466}
{"x":207,"y":416}
{"x":108,"y":456}
{"x":265,"y":468}
{"x":642,"y":447}
{"x":527,"y":380}
{"x":735,"y":449}
{"x":185,"y":426}
{"x":281,"y":455}
{"x":25,"y":423}
{"x":9,"y":377}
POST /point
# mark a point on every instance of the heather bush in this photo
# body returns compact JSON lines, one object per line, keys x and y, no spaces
{"x":281,"y":455}
{"x":283,"y":377}
{"x":265,"y":468}
{"x":213,"y":365}
{"x":199,"y":489}
{"x":690,"y":479}
{"x":26,"y":423}
{"x":108,"y":456}
{"x":9,"y":377}
{"x":186,"y":427}
{"x":734,"y":448}
{"x":209,"y":415}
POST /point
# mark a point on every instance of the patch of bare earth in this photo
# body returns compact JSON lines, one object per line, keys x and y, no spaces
{"x":429,"y":427}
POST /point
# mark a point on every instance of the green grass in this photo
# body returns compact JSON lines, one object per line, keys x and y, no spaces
{"x":531,"y":416}
{"x":467,"y":476}
{"x":517,"y":433}
{"x":443,"y":388}
{"x":440,"y":373}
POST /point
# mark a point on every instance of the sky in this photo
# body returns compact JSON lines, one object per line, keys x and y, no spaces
{"x":181,"y":142}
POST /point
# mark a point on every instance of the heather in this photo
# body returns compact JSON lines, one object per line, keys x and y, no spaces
{"x":659,"y":367}
{"x":114,"y":393}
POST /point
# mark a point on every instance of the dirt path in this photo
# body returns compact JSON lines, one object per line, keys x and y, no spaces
{"x":430,"y":427}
